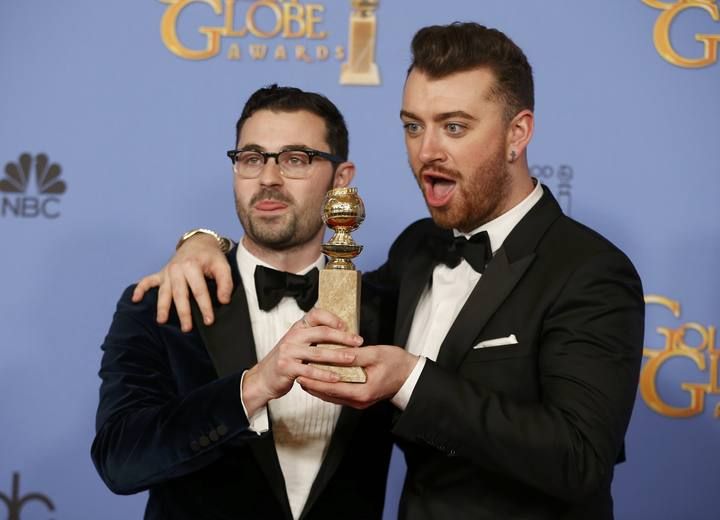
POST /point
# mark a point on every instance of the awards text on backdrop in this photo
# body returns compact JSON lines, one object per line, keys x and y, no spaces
{"x":679,"y":346}
{"x":279,"y":19}
{"x":661,"y":33}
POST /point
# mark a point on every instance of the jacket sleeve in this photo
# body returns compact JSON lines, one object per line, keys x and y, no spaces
{"x":588,"y":360}
{"x":147,"y":431}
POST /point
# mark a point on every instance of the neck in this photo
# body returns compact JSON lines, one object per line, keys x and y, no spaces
{"x":292,"y":259}
{"x":522,"y":186}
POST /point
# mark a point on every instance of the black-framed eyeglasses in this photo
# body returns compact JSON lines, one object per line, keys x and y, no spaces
{"x":294,"y":163}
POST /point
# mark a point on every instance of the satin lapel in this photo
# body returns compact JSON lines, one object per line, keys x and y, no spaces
{"x":229,"y":341}
{"x":500,"y":277}
{"x":417,"y":274}
{"x":346,"y":425}
{"x":263,"y":449}
{"x":231,"y":346}
{"x":491,"y":290}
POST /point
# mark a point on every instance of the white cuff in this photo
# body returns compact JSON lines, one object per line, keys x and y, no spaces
{"x":259,"y":422}
{"x":402,"y":398}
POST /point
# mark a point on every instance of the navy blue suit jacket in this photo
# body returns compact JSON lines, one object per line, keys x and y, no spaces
{"x":170,"y":421}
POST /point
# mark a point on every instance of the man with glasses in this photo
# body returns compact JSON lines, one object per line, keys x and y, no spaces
{"x":211,"y":422}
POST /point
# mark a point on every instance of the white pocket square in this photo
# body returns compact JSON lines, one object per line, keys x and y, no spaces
{"x":497,"y":342}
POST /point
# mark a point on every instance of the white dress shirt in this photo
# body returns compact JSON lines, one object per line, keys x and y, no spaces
{"x":445,"y":295}
{"x":302,"y":424}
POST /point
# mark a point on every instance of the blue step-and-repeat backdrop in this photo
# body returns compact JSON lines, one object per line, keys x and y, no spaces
{"x":114,"y":119}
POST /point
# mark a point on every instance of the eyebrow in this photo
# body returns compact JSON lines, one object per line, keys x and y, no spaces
{"x":252,"y":147}
{"x":442,"y":116}
{"x":258,"y":148}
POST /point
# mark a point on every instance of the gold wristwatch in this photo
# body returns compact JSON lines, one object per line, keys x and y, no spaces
{"x":224,"y":243}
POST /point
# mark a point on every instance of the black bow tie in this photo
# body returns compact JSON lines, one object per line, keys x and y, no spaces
{"x":272,"y":285}
{"x":476,"y":251}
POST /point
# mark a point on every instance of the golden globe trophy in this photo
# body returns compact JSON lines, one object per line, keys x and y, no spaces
{"x":361,"y":69}
{"x":339,"y":291}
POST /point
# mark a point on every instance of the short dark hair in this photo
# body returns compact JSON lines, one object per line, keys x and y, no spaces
{"x":291,"y":99}
{"x":441,"y":50}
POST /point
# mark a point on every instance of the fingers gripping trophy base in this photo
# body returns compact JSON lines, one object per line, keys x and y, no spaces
{"x":339,"y":293}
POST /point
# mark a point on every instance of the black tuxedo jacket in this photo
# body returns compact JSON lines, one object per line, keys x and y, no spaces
{"x":529,"y":430}
{"x":170,"y":421}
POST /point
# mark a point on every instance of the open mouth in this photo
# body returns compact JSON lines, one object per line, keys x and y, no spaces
{"x":438,"y":188}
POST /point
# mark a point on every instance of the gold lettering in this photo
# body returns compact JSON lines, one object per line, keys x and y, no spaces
{"x":230,"y":21}
{"x":234,"y":52}
{"x":648,"y":385}
{"x":280,"y":52}
{"x":673,"y":305}
{"x":661,"y":33}
{"x":339,"y":53}
{"x":292,"y":20}
{"x":706,"y":341}
{"x":712,"y":334}
{"x":677,"y":345}
{"x":250,"y":19}
{"x":258,"y":51}
{"x":714,"y":356}
{"x":312,"y":19}
{"x":697,"y":328}
{"x":322,"y":52}
{"x":301,"y":54}
{"x":670,"y":335}
{"x":168,"y":30}
{"x":293,"y":13}
{"x":657,"y":4}
{"x":714,"y":362}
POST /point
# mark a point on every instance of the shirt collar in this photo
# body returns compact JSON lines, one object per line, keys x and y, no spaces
{"x":247,"y":262}
{"x":499,"y":228}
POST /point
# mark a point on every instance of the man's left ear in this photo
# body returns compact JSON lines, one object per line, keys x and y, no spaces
{"x":520,"y":131}
{"x":344,"y":174}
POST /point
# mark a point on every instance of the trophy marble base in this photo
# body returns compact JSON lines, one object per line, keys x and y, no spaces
{"x":350,"y":76}
{"x":339,"y":293}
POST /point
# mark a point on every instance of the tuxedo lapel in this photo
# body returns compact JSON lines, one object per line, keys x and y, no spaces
{"x":231,"y":346}
{"x":499,"y":279}
{"x":346,"y":425}
{"x":491,"y":290}
{"x":229,"y":341}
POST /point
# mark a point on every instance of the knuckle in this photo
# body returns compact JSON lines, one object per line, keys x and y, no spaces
{"x":186,"y":261}
{"x":319,"y":374}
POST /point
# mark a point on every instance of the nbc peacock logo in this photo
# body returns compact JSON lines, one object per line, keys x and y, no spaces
{"x":15,"y":502}
{"x":18,"y":199}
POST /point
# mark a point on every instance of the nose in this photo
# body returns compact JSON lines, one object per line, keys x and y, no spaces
{"x":431,"y":149}
{"x":270,"y":173}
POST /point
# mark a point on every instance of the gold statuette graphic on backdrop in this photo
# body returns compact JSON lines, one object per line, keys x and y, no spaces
{"x":361,"y":69}
{"x":339,"y":291}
